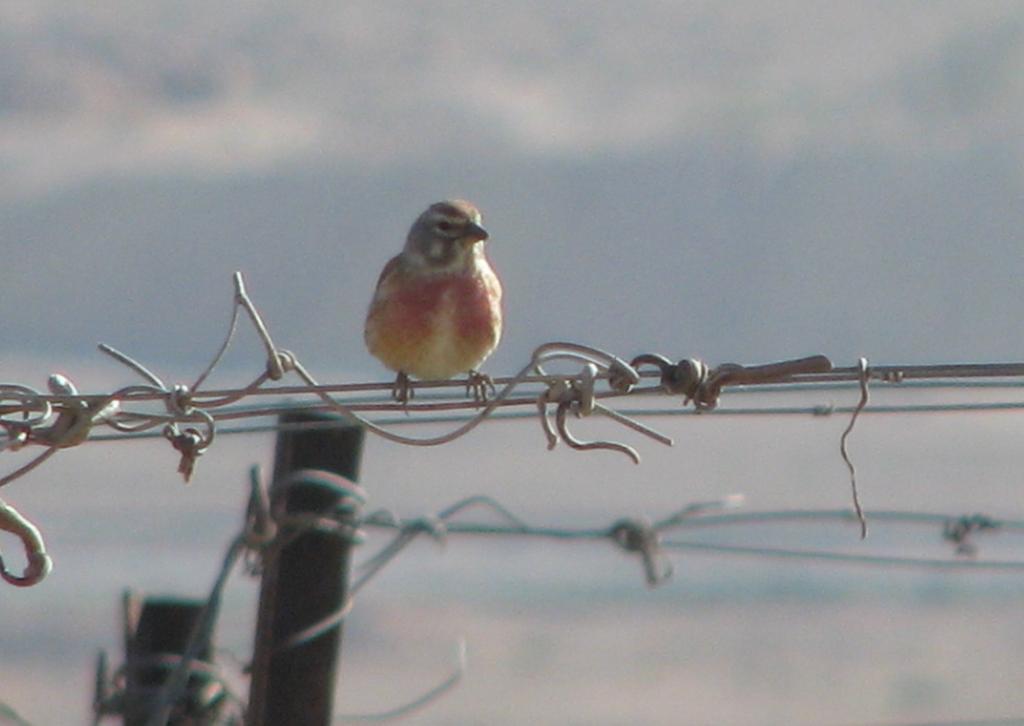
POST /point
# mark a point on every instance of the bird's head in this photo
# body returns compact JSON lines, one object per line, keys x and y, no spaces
{"x":446,"y":237}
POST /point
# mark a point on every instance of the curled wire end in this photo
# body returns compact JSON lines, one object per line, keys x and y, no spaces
{"x":39,"y":566}
{"x":39,"y":563}
{"x":545,"y":423}
{"x":865,"y":376}
{"x":578,"y":396}
{"x":575,"y":443}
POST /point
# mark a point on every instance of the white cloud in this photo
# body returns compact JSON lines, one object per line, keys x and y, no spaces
{"x":153,"y":85}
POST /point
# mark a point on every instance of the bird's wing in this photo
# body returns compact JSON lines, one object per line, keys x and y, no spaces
{"x":393,"y":266}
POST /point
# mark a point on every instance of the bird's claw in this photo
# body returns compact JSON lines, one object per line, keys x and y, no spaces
{"x":402,"y":391}
{"x":477,"y":385}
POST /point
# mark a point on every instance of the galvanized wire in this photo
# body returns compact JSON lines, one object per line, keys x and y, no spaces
{"x":637,"y":536}
{"x":189,"y":418}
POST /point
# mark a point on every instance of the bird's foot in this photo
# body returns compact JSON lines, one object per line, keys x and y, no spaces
{"x":402,"y":391}
{"x":477,"y":385}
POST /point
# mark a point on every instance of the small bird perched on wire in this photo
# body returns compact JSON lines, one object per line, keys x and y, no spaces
{"x":436,"y":311}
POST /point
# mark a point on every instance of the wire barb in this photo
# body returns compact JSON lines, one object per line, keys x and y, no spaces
{"x":639,"y":536}
{"x":865,"y":376}
{"x":189,"y":416}
{"x":634,"y":535}
{"x":959,"y":531}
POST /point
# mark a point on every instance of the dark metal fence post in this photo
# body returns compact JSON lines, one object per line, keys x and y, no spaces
{"x":306,"y":579}
{"x":156,"y":631}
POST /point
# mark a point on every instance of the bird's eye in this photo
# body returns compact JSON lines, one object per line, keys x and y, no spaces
{"x":444,"y":226}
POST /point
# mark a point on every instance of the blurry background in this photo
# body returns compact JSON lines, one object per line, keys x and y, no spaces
{"x":735,"y":181}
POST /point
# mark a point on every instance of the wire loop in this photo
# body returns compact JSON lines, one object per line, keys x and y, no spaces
{"x":39,"y":563}
{"x":188,"y":415}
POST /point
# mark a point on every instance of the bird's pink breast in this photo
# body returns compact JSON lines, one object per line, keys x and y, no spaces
{"x":435,"y":326}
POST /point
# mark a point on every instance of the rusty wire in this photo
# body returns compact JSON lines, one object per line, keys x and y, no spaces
{"x":189,"y":416}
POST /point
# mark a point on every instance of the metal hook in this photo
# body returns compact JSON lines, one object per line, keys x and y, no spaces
{"x":39,"y":563}
{"x":573,"y":442}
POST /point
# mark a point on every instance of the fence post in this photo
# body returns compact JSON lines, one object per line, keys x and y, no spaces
{"x":306,"y":579}
{"x":156,"y":631}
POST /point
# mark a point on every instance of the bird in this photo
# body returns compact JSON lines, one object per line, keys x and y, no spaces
{"x":437,"y":311}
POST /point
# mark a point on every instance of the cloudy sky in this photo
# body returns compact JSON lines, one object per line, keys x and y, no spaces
{"x":738,"y":181}
{"x":733,"y":181}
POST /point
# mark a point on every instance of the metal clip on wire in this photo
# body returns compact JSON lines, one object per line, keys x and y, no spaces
{"x":74,"y":417}
{"x":641,"y":537}
{"x":71,"y":426}
{"x":696,"y":382}
{"x":577,"y":395}
{"x":32,"y":410}
{"x":190,"y":442}
{"x":678,"y":378}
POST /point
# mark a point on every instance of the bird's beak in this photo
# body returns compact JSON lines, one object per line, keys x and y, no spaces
{"x":475,"y":232}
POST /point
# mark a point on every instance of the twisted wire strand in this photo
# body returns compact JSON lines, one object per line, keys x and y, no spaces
{"x":138,"y":424}
{"x":185,"y":405}
{"x":704,"y":516}
{"x":634,"y":535}
{"x":646,"y":539}
{"x":190,"y":417}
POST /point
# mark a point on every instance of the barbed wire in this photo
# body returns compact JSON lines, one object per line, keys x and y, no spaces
{"x":266,"y":527}
{"x":188,"y":416}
